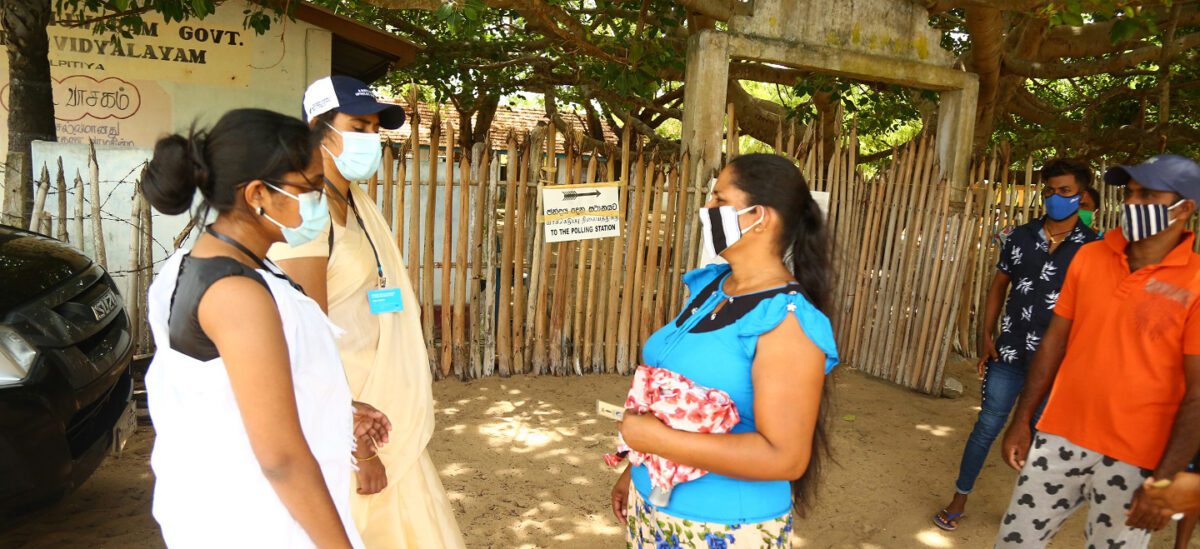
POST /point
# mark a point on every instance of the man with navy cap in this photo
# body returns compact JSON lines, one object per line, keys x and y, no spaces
{"x":1123,"y":355}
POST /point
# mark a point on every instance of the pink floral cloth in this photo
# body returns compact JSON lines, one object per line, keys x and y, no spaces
{"x":682,"y":405}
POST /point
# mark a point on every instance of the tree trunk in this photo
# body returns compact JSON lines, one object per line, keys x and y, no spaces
{"x":987,"y":27}
{"x":483,"y":120}
{"x":30,"y":100}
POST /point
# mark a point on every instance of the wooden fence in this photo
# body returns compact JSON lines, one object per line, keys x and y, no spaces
{"x":509,"y":303}
{"x":911,"y":268}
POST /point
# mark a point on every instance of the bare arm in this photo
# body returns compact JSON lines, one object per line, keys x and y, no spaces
{"x":1146,"y":511}
{"x":240,"y":317}
{"x":311,"y":274}
{"x":1185,"y":433}
{"x":788,"y":375}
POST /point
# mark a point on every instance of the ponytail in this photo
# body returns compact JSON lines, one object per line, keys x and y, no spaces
{"x":773,"y":181}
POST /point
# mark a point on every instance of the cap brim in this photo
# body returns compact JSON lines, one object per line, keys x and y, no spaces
{"x":1144,"y":175}
{"x":391,"y":117}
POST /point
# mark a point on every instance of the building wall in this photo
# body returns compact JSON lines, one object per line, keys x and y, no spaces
{"x":128,"y":92}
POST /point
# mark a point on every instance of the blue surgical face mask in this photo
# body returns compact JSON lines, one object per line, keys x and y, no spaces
{"x":314,"y":216}
{"x":361,"y":155}
{"x":1059,"y":207}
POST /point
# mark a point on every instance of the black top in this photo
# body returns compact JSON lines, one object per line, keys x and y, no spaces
{"x":196,"y":276}
{"x":736,"y":308}
{"x":1037,"y":278}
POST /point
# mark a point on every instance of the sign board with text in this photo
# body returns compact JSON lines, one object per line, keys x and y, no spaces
{"x":581,"y":212}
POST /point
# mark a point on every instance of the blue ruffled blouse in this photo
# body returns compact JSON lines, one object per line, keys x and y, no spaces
{"x":722,"y":358}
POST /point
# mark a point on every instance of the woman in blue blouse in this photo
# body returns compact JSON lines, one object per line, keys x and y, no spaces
{"x":757,"y":329}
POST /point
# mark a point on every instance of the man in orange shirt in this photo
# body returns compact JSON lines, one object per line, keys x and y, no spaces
{"x":1123,"y":355}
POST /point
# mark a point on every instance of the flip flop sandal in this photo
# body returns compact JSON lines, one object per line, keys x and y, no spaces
{"x":950,"y":523}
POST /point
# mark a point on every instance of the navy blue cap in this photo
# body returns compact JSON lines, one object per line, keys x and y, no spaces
{"x":349,"y":96}
{"x":1165,"y":172}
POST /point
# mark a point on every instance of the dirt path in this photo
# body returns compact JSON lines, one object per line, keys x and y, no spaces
{"x":521,"y":460}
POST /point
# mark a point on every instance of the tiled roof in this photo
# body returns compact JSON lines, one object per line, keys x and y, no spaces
{"x":519,"y":120}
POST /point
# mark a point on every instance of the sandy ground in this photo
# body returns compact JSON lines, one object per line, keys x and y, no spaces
{"x":521,"y":460}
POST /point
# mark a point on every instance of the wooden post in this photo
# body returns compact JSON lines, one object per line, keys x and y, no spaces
{"x":683,"y":186}
{"x":462,"y":269}
{"x":520,"y":295}
{"x":430,"y":224}
{"x":538,"y":306}
{"x":609,"y":268}
{"x":646,"y":190}
{"x":388,"y":182}
{"x":61,"y":189}
{"x":629,"y":293}
{"x":39,"y":203}
{"x":79,"y":240}
{"x":401,"y":187}
{"x":132,"y":297}
{"x":487,"y":325}
{"x":146,"y":273}
{"x":448,"y":332}
{"x":612,"y":348}
{"x":414,"y":212}
{"x":504,"y":321}
{"x":652,"y":269}
{"x":101,"y":256}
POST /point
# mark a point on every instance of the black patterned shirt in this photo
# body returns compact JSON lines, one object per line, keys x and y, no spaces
{"x":1037,"y":277}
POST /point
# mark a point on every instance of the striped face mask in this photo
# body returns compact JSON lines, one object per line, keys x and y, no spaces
{"x":1142,"y":221}
{"x":720,"y":228}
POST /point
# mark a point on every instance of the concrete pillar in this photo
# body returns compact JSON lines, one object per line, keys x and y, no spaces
{"x":318,"y":47}
{"x":704,"y":98}
{"x":955,"y":136}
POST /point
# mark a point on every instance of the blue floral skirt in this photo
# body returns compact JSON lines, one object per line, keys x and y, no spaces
{"x":650,"y":528}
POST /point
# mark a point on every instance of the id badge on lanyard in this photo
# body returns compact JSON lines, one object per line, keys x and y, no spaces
{"x":382,"y":299}
{"x":385,"y":300}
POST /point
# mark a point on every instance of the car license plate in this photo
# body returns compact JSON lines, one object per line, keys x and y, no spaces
{"x":124,"y":429}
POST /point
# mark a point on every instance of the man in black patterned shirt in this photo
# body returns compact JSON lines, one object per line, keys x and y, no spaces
{"x":1033,"y":262}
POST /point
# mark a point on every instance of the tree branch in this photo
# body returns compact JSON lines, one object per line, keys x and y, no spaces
{"x":1034,"y":69}
{"x":1094,"y":40}
{"x":759,"y":72}
{"x":721,"y":10}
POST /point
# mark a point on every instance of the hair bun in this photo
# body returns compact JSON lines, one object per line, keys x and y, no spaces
{"x":177,"y":169}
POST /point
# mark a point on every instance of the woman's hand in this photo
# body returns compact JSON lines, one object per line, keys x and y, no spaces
{"x":641,"y":431}
{"x":370,"y":423}
{"x":372,"y":476}
{"x":620,"y":496}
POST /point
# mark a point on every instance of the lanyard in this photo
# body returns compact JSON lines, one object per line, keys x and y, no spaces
{"x":349,"y":202}
{"x":257,"y":260}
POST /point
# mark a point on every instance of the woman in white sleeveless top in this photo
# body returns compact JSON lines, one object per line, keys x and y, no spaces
{"x":253,"y":416}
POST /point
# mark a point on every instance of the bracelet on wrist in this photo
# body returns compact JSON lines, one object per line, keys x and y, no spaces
{"x":373,"y":456}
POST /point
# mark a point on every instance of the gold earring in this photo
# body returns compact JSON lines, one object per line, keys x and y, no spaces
{"x":758,"y":229}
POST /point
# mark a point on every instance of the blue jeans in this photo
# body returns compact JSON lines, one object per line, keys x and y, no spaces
{"x":1002,"y":384}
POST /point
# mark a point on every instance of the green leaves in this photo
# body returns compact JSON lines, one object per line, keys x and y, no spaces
{"x":172,"y":11}
{"x":1123,"y":29}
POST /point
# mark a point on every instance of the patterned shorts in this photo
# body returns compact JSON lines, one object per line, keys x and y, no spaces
{"x":650,"y":528}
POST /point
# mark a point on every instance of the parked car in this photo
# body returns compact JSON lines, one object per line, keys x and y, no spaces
{"x":65,"y":379}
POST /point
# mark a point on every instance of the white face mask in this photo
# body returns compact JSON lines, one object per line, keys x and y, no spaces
{"x":361,"y":155}
{"x":314,"y":216}
{"x":720,"y":228}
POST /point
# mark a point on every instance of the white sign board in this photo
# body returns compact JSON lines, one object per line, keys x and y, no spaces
{"x":822,"y":200}
{"x":581,"y":212}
